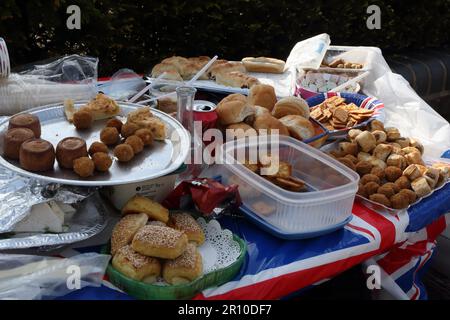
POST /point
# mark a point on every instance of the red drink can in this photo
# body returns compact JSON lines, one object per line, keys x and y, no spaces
{"x":205,"y":111}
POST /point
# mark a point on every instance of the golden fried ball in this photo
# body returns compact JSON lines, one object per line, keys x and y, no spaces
{"x":361,"y":191}
{"x":116,"y":123}
{"x":124,"y":152}
{"x":371,"y":187}
{"x":380,"y":198}
{"x":84,"y":167}
{"x":109,"y":136}
{"x":399,"y":201}
{"x":136,"y":143}
{"x":412,"y":196}
{"x":82,"y":119}
{"x":97,"y":146}
{"x":352,"y":158}
{"x":363,"y":167}
{"x":102,"y":161}
{"x":369,"y":178}
{"x":403,"y":183}
{"x":145,"y":135}
{"x":379,"y":172}
{"x":129,"y":129}
{"x":392,"y":173}
{"x":387,"y":190}
{"x":347,"y":163}
{"x":393,"y":186}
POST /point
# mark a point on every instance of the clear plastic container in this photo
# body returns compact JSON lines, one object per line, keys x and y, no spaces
{"x":331,"y":185}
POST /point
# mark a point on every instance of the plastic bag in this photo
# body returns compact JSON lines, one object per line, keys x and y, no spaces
{"x":29,"y":277}
{"x":309,"y":53}
{"x":52,"y":81}
{"x":124,"y":84}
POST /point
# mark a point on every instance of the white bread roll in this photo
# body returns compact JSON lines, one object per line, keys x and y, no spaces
{"x":299,"y":127}
{"x":262,"y":95}
{"x":291,"y":105}
{"x":263,"y":64}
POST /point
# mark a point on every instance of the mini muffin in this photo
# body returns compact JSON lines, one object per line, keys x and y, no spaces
{"x":387,"y":190}
{"x":379,"y":172}
{"x":412,"y":196}
{"x":84,"y":167}
{"x":124,"y":152}
{"x":102,"y":161}
{"x":369,"y":178}
{"x":136,"y":143}
{"x":371,"y":187}
{"x":97,"y":147}
{"x":399,"y":201}
{"x":393,"y":173}
{"x":83,"y":119}
{"x":145,"y":135}
{"x":363,"y":167}
{"x":109,"y":136}
{"x":129,"y":129}
{"x":116,"y":123}
{"x":380,"y":198}
{"x":403,"y":183}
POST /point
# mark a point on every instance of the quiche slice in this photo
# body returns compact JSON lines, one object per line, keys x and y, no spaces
{"x":144,"y":118}
{"x":102,"y":107}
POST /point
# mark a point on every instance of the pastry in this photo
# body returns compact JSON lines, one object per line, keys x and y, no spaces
{"x":186,"y":223}
{"x":109,"y":136}
{"x":175,"y":61}
{"x":399,"y":201}
{"x":102,"y":161}
{"x":379,"y":172}
{"x":262,"y":95}
{"x":128,"y":129}
{"x":69,"y":149}
{"x":366,"y":141}
{"x":421,"y":187}
{"x":348,"y":148}
{"x":37,"y":155}
{"x":414,"y":158}
{"x":382,"y":151}
{"x":145,"y":135}
{"x":26,"y":120}
{"x":264,"y":124}
{"x":125,"y":229}
{"x":361,"y":191}
{"x":392,"y":134}
{"x":144,"y":119}
{"x":378,"y":163}
{"x":156,"y":223}
{"x":352,"y":158}
{"x":380,"y":136}
{"x":153,"y":209}
{"x":299,"y":128}
{"x":84,"y":167}
{"x":116,"y":123}
{"x":185,"y":268}
{"x":97,"y":147}
{"x":376,"y":125}
{"x":380,"y":198}
{"x":82,"y":119}
{"x":392,"y":173}
{"x":403,"y":183}
{"x":393,"y":186}
{"x":170,"y":70}
{"x":101,"y":107}
{"x":412,"y":172}
{"x":191,"y":68}
{"x":396,"y":160}
{"x":407,"y":150}
{"x":234,"y":97}
{"x":416,"y":144}
{"x":369,"y":178}
{"x":124,"y":152}
{"x":364,"y":156}
{"x":234,"y":111}
{"x":289,"y":106}
{"x":160,"y":242}
{"x":353,"y":133}
{"x":136,"y":266}
{"x":348,"y":163}
{"x":433,"y":175}
{"x":410,"y":194}
{"x":236,"y":79}
{"x":239,"y":130}
{"x":363,"y":168}
{"x":224,"y":68}
{"x":371,"y":187}
{"x":403,"y":142}
{"x":136,"y":143}
{"x":387,"y":190}
{"x":263,"y":64}
{"x":13,"y":139}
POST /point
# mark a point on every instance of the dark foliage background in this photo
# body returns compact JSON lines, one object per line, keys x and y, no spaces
{"x":138,"y":33}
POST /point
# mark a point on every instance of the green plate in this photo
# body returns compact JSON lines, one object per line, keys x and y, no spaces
{"x":144,"y":291}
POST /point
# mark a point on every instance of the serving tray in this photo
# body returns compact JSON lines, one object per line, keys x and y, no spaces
{"x":162,"y":158}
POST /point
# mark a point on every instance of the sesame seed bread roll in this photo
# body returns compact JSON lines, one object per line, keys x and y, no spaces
{"x":151,"y":208}
{"x":185,"y":222}
{"x":125,"y":230}
{"x":160,"y":242}
{"x":136,"y":266}
{"x":185,"y":268}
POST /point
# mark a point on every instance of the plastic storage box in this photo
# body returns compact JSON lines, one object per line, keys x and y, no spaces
{"x":331,"y":186}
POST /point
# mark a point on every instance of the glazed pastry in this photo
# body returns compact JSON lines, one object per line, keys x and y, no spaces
{"x":84,"y":167}
{"x":102,"y":161}
{"x":186,"y":223}
{"x":382,"y":151}
{"x":299,"y":128}
{"x":125,"y":230}
{"x":109,"y":136}
{"x":416,"y":144}
{"x":421,"y":187}
{"x":124,"y":152}
{"x":26,"y":120}
{"x":290,"y":106}
{"x":408,"y":149}
{"x":136,"y":143}
{"x":136,"y":266}
{"x":366,"y":141}
{"x":13,"y":140}
{"x":152,"y":208}
{"x":82,"y":119}
{"x":145,"y":135}
{"x":97,"y":147}
{"x":185,"y":268}
{"x":37,"y":155}
{"x":160,"y":242}
{"x":69,"y":149}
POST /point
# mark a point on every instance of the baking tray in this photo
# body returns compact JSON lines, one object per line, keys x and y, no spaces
{"x":162,"y":158}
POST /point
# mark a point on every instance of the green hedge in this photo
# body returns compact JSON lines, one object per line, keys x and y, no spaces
{"x":138,"y":33}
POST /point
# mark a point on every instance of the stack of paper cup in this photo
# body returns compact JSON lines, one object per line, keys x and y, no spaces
{"x":5,"y":67}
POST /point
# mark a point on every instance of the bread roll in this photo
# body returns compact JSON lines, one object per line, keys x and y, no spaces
{"x":263,"y":64}
{"x":185,"y":222}
{"x":152,"y":209}
{"x":240,"y":130}
{"x":176,"y":61}
{"x":234,"y":111}
{"x":225,"y":67}
{"x":160,"y":242}
{"x":290,"y":106}
{"x":125,"y":230}
{"x":262,"y":95}
{"x":185,"y":268}
{"x":136,"y":266}
{"x":170,"y":70}
{"x":268,"y":122}
{"x":236,"y":79}
{"x":299,"y":127}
